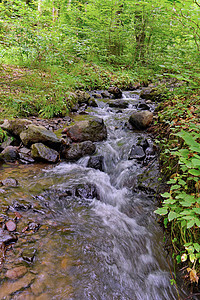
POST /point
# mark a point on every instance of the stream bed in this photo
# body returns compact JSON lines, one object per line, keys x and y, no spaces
{"x":87,"y":233}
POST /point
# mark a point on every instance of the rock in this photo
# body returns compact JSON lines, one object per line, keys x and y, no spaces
{"x":9,"y":142}
{"x":119,"y":104}
{"x":10,"y":225}
{"x":136,"y":153}
{"x":9,"y":154}
{"x":38,"y":287}
{"x":42,"y":152}
{"x":88,"y":130}
{"x":92,"y":102}
{"x":78,"y":150}
{"x":96,"y":95}
{"x":33,"y":226}
{"x":25,"y":158}
{"x":22,"y":205}
{"x":74,"y":108}
{"x":39,"y":134}
{"x":153,"y":94}
{"x":86,"y":191}
{"x":143,"y":106}
{"x":142,"y":119}
{"x":105,"y":94}
{"x":6,"y":237}
{"x":143,"y":143}
{"x":16,"y":126}
{"x":10,"y":182}
{"x":82,"y":97}
{"x":28,"y":255}
{"x":115,"y":91}
{"x":96,"y":162}
{"x":8,"y":288}
{"x":16,"y":272}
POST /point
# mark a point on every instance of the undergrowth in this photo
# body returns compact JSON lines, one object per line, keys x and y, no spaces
{"x":179,"y":139}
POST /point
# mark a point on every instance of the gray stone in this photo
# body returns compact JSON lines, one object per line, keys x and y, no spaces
{"x":142,"y":119}
{"x":96,"y":162}
{"x":136,"y":152}
{"x":42,"y":152}
{"x":115,"y":91}
{"x":119,"y":104}
{"x":15,"y":126}
{"x":88,"y":130}
{"x":86,"y":191}
{"x":10,"y":182}
{"x":78,"y":150}
{"x":39,"y":134}
{"x":6,"y":237}
{"x":9,"y":154}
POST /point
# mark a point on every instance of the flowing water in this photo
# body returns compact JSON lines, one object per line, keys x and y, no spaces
{"x":107,"y":247}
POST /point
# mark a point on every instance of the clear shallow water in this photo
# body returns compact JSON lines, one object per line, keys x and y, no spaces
{"x":105,"y":248}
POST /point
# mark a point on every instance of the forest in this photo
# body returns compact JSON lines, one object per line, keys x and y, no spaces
{"x":51,"y":48}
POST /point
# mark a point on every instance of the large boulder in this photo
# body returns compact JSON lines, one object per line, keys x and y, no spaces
{"x":41,"y":152}
{"x":15,"y":126}
{"x":77,"y":150}
{"x":142,"y":119}
{"x":39,"y":134}
{"x":89,"y":130}
{"x":9,"y":154}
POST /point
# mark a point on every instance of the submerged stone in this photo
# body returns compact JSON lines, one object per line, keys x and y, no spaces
{"x":6,"y":237}
{"x":16,"y":272}
{"x":8,"y":288}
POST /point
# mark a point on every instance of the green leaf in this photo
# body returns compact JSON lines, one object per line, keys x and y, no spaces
{"x":166,"y":195}
{"x":196,"y":162}
{"x":175,"y":187}
{"x":196,"y":210}
{"x":191,"y":223}
{"x":161,"y":211}
{"x":197,"y":221}
{"x":172,"y":215}
{"x":169,"y":201}
{"x":194,"y":172}
{"x":196,"y":247}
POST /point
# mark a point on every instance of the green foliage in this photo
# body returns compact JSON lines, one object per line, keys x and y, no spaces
{"x":181,"y":205}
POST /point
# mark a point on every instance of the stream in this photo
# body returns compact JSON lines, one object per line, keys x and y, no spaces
{"x":100,"y":242}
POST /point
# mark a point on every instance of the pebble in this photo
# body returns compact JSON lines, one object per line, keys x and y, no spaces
{"x":5,"y":237}
{"x":10,"y":225}
{"x":16,"y":272}
{"x":8,"y":288}
{"x":10,"y":182}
